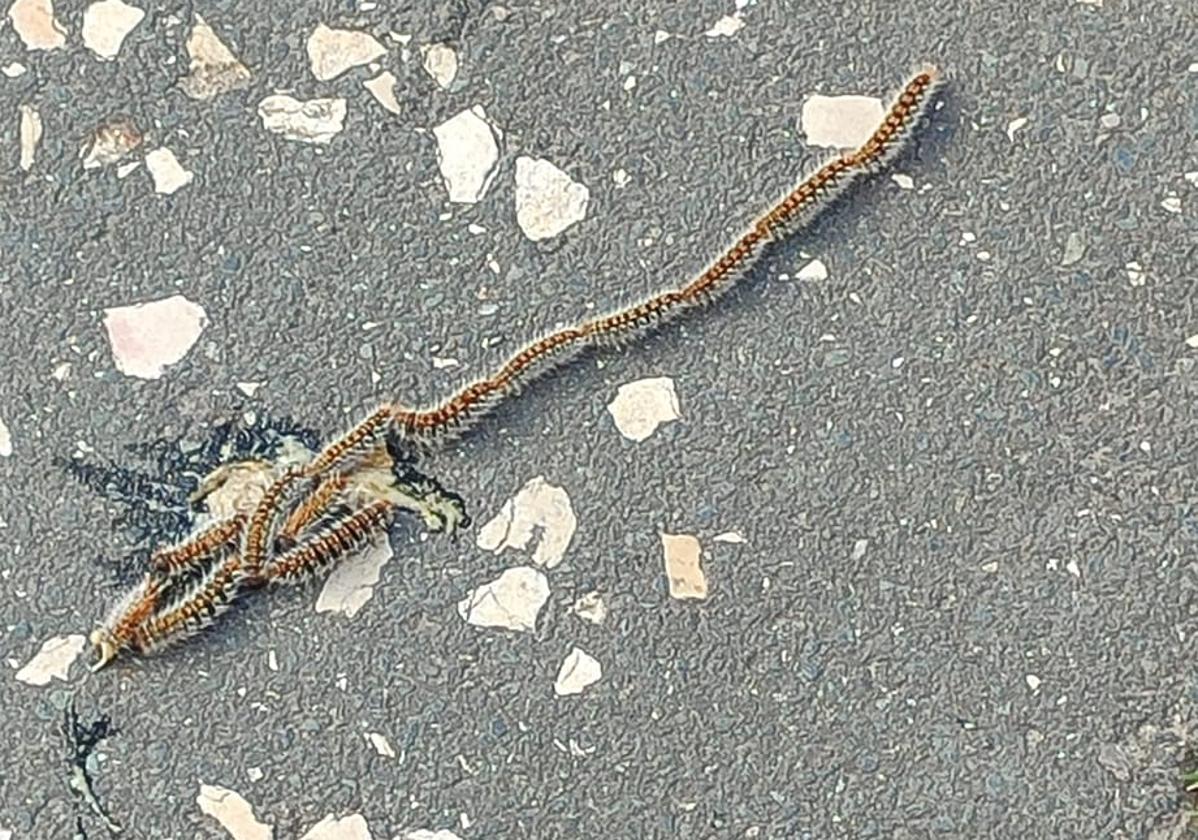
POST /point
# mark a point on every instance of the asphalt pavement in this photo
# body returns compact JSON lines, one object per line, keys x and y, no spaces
{"x":937,"y":451}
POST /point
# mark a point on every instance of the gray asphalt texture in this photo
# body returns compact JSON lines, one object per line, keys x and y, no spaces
{"x":1016,"y":527}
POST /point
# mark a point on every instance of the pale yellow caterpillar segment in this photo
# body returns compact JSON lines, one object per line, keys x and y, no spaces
{"x":443,"y":421}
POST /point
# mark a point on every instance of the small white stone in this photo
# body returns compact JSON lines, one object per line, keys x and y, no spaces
{"x":1192,"y":341}
{"x":539,"y":509}
{"x":235,"y":815}
{"x":255,"y":774}
{"x":382,"y":88}
{"x":249,"y":388}
{"x":578,"y":671}
{"x":1073,"y":569}
{"x":590,"y":607}
{"x":620,"y":178}
{"x":1146,"y":447}
{"x":661,"y":36}
{"x":640,"y":407}
{"x":1016,"y":125}
{"x":1109,"y":121}
{"x":467,"y":152}
{"x":310,"y":121}
{"x":630,"y":83}
{"x":897,"y":362}
{"x":5,"y":440}
{"x":61,"y":371}
{"x":1033,"y":682}
{"x":681,"y":553}
{"x":905,"y":182}
{"x":380,"y":743}
{"x":733,"y":537}
{"x":13,"y":69}
{"x":168,"y":174}
{"x":272,"y":660}
{"x":110,"y":143}
{"x":106,"y":25}
{"x":30,"y":134}
{"x":859,"y":549}
{"x":726,"y":27}
{"x":1135,"y":273}
{"x":35,"y":24}
{"x":440,"y":363}
{"x":547,"y":199}
{"x":53,"y":661}
{"x":813,"y":271}
{"x":840,"y":122}
{"x":351,"y":583}
{"x":213,"y":68}
{"x":441,"y":63}
{"x":512,"y":601}
{"x":350,"y":827}
{"x":332,"y":52}
{"x":1171,"y":203}
{"x":1191,"y":177}
{"x":146,"y":338}
{"x":428,"y":834}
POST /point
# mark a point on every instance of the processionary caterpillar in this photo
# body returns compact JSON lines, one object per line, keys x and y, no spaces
{"x":342,"y":505}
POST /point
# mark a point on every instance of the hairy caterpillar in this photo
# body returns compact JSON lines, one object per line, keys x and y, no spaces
{"x":347,"y":495}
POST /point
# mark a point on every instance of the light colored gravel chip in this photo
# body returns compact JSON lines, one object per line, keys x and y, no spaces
{"x":351,"y":583}
{"x":148,"y":337}
{"x":380,"y":744}
{"x":512,"y":601}
{"x":332,"y":52}
{"x":350,"y":827}
{"x":53,"y":661}
{"x":112,"y":141}
{"x":726,"y":27}
{"x":840,"y":122}
{"x":547,"y":199}
{"x":30,"y":134}
{"x":382,"y":88}
{"x":578,"y":671}
{"x":814,"y":270}
{"x":590,"y":607}
{"x":6,"y":449}
{"x":168,"y":174}
{"x":683,"y":569}
{"x":310,"y":121}
{"x":35,"y":24}
{"x":1015,"y":126}
{"x":441,"y":63}
{"x":235,"y":815}
{"x":640,"y":407}
{"x":106,"y":24}
{"x":467,"y":152}
{"x":213,"y":69}
{"x":539,"y":509}
{"x":732,"y":537}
